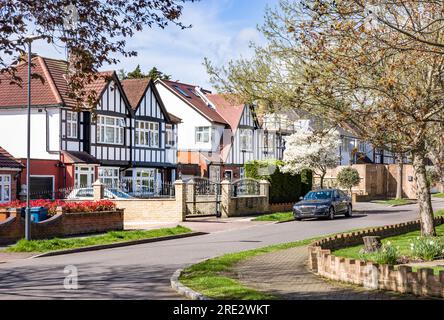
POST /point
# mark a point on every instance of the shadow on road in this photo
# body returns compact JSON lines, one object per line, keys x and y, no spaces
{"x":116,"y":282}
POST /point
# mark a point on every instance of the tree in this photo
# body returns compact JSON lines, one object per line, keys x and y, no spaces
{"x":92,"y":32}
{"x":155,"y":74}
{"x":306,"y":150}
{"x":334,"y":60}
{"x":136,"y":74}
{"x":348,"y":178}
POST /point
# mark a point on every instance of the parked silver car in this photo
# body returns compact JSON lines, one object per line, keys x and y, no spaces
{"x":88,"y":194}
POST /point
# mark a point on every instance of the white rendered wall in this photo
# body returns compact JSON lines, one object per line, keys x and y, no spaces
{"x":13,"y":129}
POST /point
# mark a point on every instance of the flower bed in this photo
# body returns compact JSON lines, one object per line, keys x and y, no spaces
{"x":69,"y":207}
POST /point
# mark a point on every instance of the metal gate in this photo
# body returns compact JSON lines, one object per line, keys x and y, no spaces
{"x":203,"y":198}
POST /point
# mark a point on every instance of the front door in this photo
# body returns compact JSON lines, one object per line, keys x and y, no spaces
{"x":84,"y":176}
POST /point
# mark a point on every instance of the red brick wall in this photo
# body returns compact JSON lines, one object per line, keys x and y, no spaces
{"x":14,"y":181}
{"x":67,"y":224}
{"x":281,"y":207}
{"x":44,"y":168}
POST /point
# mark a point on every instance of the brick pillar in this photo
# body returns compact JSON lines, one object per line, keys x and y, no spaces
{"x":226,"y":207}
{"x":181,"y":199}
{"x":98,"y":190}
{"x":191,"y":195}
{"x":264,"y":186}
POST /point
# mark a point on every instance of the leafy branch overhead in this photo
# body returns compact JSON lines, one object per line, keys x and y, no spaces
{"x":93,"y":39}
{"x":372,"y":67}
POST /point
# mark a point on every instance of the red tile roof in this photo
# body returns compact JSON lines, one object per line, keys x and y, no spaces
{"x":231,"y":112}
{"x":135,"y":90}
{"x":194,"y":100}
{"x":8,"y":161}
{"x":49,"y":89}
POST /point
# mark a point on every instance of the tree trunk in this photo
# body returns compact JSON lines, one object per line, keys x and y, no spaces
{"x":322,"y":179}
{"x":399,"y":169}
{"x":423,"y":195}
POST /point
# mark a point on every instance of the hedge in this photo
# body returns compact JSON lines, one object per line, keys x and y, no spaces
{"x":284,"y":187}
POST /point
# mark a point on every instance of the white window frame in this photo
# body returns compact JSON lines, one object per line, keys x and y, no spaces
{"x":201,"y":133}
{"x":170,"y":139}
{"x":5,"y":181}
{"x":72,"y":124}
{"x":109,"y":173}
{"x":242,"y":173}
{"x":147,"y":181}
{"x":91,"y":172}
{"x":269,"y":142}
{"x":147,"y":134}
{"x":246,"y":139}
{"x":118,"y":128}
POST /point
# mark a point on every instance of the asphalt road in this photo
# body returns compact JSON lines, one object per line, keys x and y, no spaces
{"x":143,"y":271}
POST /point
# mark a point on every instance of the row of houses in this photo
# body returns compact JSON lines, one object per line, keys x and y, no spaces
{"x":141,"y":133}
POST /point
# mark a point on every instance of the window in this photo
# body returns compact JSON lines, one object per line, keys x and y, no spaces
{"x":268,"y":143}
{"x":110,"y":130}
{"x":362,"y":147}
{"x":147,"y":134}
{"x":71,"y":124}
{"x":5,"y":188}
{"x":202,"y":134}
{"x":109,"y":177}
{"x":170,"y":139}
{"x":246,"y":139}
{"x":242,"y":172}
{"x":182,"y":92}
{"x":145,"y":181}
{"x":347,"y":144}
{"x":84,"y":176}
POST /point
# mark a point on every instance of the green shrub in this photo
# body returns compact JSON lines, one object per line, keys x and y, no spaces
{"x":284,"y":187}
{"x":427,"y":248}
{"x":388,"y":254}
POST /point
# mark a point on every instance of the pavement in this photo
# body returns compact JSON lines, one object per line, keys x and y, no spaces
{"x":143,"y":271}
{"x":291,"y":280}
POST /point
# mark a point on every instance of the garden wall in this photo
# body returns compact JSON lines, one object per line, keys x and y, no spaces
{"x":371,"y":275}
{"x":60,"y":225}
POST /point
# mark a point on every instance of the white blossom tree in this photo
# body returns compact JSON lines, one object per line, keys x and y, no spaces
{"x":306,"y":149}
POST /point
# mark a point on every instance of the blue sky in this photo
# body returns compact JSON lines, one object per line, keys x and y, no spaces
{"x":222,"y":30}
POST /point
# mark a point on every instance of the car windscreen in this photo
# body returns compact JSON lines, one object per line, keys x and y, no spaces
{"x":319,"y":195}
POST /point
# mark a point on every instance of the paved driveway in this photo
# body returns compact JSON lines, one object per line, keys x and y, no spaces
{"x":143,"y":271}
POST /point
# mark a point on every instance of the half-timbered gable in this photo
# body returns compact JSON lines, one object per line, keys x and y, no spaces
{"x":111,"y":134}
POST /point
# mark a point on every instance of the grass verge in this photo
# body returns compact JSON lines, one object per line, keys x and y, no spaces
{"x":212,"y":277}
{"x":438,"y":195}
{"x":279,"y":217}
{"x":108,"y":238}
{"x":394,"y":202}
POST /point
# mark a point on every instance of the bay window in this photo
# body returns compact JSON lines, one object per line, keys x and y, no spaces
{"x":246,"y":139}
{"x":110,"y":130}
{"x":5,"y":188}
{"x":147,"y":134}
{"x":71,"y":124}
{"x":109,"y":177}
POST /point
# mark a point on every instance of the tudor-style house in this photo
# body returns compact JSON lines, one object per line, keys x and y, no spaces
{"x":216,"y":137}
{"x":123,"y":138}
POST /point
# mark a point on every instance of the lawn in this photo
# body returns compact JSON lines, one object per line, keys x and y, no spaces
{"x":279,"y":216}
{"x":402,"y":241}
{"x":108,"y":238}
{"x":394,"y":202}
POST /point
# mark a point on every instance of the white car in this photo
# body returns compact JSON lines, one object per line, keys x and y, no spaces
{"x":88,"y":194}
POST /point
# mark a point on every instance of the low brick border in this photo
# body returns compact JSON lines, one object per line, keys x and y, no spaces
{"x":371,"y":275}
{"x":184,"y":290}
{"x":118,"y":244}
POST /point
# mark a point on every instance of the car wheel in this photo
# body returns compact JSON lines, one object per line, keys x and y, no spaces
{"x":331,"y":213}
{"x":349,"y":212}
{"x":298,"y":219}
